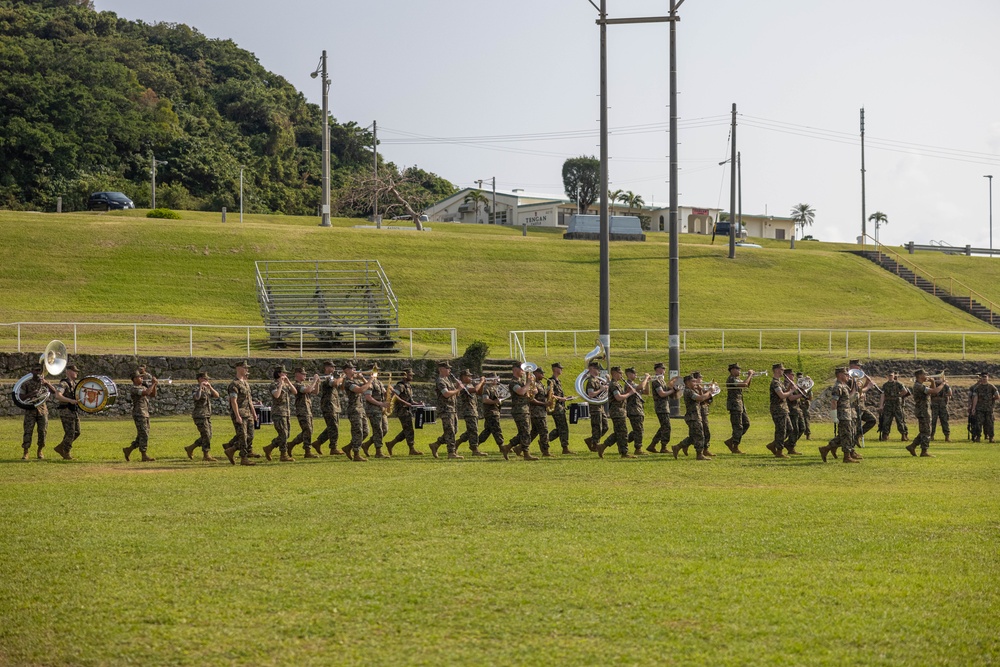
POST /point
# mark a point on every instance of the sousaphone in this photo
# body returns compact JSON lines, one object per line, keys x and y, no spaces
{"x":54,"y":361}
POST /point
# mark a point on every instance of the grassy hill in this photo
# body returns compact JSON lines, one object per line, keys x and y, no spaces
{"x":485,"y":281}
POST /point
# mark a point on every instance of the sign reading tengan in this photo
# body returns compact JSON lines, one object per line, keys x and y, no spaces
{"x":536,"y":219}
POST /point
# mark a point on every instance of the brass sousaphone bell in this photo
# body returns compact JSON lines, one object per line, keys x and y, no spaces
{"x":54,"y":361}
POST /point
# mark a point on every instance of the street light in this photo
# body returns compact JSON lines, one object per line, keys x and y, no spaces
{"x":990,"y":176}
{"x":152,"y":173}
{"x":736,"y":207}
{"x":321,"y":70}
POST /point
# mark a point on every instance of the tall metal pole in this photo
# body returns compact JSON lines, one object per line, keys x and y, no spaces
{"x":605,"y":303}
{"x":864,"y":216}
{"x":153,"y":183}
{"x":990,"y":176}
{"x":241,"y":194}
{"x":494,"y":200}
{"x":739,"y":191}
{"x":674,"y":361}
{"x":732,"y":191}
{"x":325,"y":220}
{"x":378,"y":223}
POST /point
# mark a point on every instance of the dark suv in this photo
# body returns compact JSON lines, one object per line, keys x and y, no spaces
{"x":108,"y":201}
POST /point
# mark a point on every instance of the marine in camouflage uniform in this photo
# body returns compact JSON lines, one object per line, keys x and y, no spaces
{"x":376,"y":401}
{"x":705,"y":406}
{"x":594,"y":385}
{"x":140,"y":415}
{"x":69,"y":412}
{"x":35,"y":417}
{"x":864,"y":418}
{"x":778,"y":396}
{"x":618,"y":395}
{"x":491,"y":416}
{"x":921,"y":406}
{"x":538,"y":412}
{"x":468,"y":410}
{"x":693,"y":397}
{"x":404,"y":413}
{"x":891,"y":408}
{"x":447,"y":396}
{"x":281,"y":391}
{"x":305,"y":390}
{"x":244,"y":416}
{"x":355,"y":385}
{"x":662,"y":391}
{"x":939,"y":411}
{"x":796,"y":422}
{"x":984,"y":398}
{"x":738,"y":418}
{"x":520,"y":410}
{"x":329,"y":406}
{"x":202,"y":415}
{"x":843,"y":417}
{"x":635,"y":408}
{"x":561,"y":430}
{"x":805,"y":403}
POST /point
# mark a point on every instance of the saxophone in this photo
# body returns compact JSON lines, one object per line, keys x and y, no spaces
{"x":391,"y":405}
{"x":550,"y":405}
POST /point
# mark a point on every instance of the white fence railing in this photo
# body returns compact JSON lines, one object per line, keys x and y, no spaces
{"x":830,"y":341}
{"x":213,"y":339}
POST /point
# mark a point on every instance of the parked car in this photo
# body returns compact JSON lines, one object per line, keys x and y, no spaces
{"x":108,"y":201}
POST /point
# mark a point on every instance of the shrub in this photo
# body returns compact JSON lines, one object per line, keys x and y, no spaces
{"x":164,"y":213}
{"x":474,"y":356}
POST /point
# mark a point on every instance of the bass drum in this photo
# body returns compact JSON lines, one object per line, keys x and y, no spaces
{"x":25,"y":402}
{"x":96,"y":393}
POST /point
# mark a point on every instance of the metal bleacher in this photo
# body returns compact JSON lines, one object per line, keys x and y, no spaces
{"x":328,"y":304}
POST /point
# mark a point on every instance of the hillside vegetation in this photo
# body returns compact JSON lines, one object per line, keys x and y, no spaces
{"x":483,"y":280}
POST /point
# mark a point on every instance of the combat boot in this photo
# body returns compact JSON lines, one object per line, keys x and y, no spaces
{"x":824,"y":451}
{"x":707,"y":453}
{"x":205,"y":456}
{"x":285,"y":456}
{"x":229,"y":451}
{"x":626,"y":455}
{"x":39,"y":452}
{"x":267,"y":451}
{"x":127,"y":451}
{"x":476,"y":452}
{"x":246,"y":461}
{"x":729,"y":443}
{"x":833,"y":450}
{"x":527,"y":455}
{"x":189,"y":450}
{"x":639,"y":451}
{"x":288,"y":448}
{"x":505,"y":451}
{"x":652,"y":447}
{"x":455,"y":455}
{"x":701,"y":456}
{"x":849,"y":459}
{"x":566,"y":450}
{"x":912,"y":449}
{"x":414,"y":452}
{"x":926,"y":453}
{"x":685,"y":449}
{"x":434,"y":448}
{"x":675,"y":449}
{"x":389,"y":445}
{"x":316,"y":448}
{"x":27,"y":449}
{"x":663,"y":448}
{"x":146,"y":458}
{"x":590,"y":444}
{"x":378,"y":453}
{"x":791,"y":451}
{"x":546,"y":454}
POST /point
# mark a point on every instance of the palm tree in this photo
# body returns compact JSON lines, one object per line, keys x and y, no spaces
{"x":632,"y":200}
{"x":879,"y":218}
{"x":614,"y":196}
{"x":802,"y":215}
{"x":476,"y":197}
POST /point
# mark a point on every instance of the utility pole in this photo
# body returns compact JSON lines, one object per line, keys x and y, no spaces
{"x":322,"y":70}
{"x":732,"y":191}
{"x":990,"y":176}
{"x":674,"y":361}
{"x":864,"y":217}
{"x":378,"y":221}
{"x":494,"y":200}
{"x":739,"y":190}
{"x":479,"y":194}
{"x":241,"y":194}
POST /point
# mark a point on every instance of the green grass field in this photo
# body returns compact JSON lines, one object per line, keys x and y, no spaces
{"x":572,"y":560}
{"x":485,"y":281}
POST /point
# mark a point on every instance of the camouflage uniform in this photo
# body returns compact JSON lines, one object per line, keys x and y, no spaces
{"x":982,"y":422}
{"x":377,"y":418}
{"x":140,"y":415}
{"x":892,"y":409}
{"x":796,"y":424}
{"x":779,"y":414}
{"x":448,"y":413}
{"x":468,"y":411}
{"x":864,"y":418}
{"x":281,"y":414}
{"x":737,"y":411}
{"x":805,"y":404}
{"x":939,"y":411}
{"x":240,"y":390}
{"x":202,"y":416}
{"x":355,"y":412}
{"x":921,"y":406}
{"x":661,"y":406}
{"x":69,"y":415}
{"x":304,"y":415}
{"x":635,"y":408}
{"x":706,"y":432}
{"x":561,"y":430}
{"x":404,"y":414}
{"x":37,"y":416}
{"x":519,"y":410}
{"x":491,"y":417}
{"x":539,"y":415}
{"x":692,"y":416}
{"x":329,"y":405}
{"x":845,"y":438}
{"x":598,"y":413}
{"x":618,"y":415}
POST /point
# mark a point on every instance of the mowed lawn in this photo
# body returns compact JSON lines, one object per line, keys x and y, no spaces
{"x":571,"y":560}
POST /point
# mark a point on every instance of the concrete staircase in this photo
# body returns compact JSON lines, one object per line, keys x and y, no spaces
{"x":965,"y":303}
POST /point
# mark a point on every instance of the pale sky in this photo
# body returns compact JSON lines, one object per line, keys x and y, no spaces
{"x":799,"y":71}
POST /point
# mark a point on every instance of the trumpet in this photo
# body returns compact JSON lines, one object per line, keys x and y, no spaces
{"x":859,"y":377}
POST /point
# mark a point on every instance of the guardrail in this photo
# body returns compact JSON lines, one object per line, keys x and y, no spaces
{"x":942,"y":246}
{"x":856,"y":342}
{"x":214,"y":339}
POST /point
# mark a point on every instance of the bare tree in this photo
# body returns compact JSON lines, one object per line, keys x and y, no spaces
{"x":396,"y":195}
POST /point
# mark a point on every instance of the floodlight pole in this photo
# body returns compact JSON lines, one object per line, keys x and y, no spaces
{"x":864,"y":217}
{"x":990,"y":176}
{"x":322,"y":71}
{"x":732,"y":191}
{"x":604,"y":333}
{"x":241,"y":194}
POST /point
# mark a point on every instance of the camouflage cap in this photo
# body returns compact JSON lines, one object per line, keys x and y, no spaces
{"x":557,"y":365}
{"x":839,"y":370}
{"x":854,"y":362}
{"x":984,"y":374}
{"x":465,"y":373}
{"x":36,"y":368}
{"x":301,"y":369}
{"x":778,"y":367}
{"x":594,"y":364}
{"x":202,"y":376}
{"x":444,"y":364}
{"x":688,"y":378}
{"x":630,"y":369}
{"x":539,"y":370}
{"x":919,"y":372}
{"x":72,"y":367}
{"x":349,"y":364}
{"x":696,"y":375}
{"x":329,"y":362}
{"x":616,"y":369}
{"x":658,"y":365}
{"x":734,"y":367}
{"x":242,"y":363}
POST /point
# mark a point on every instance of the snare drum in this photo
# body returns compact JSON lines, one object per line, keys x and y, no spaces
{"x":96,"y":393}
{"x":578,"y":411}
{"x":263,"y":416}
{"x":423,"y":414}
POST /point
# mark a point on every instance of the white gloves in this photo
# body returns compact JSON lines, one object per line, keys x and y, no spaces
{"x":834,"y":417}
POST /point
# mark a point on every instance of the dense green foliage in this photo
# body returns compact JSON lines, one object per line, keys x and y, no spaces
{"x":582,"y":180}
{"x":87,"y":98}
{"x":164,"y":214}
